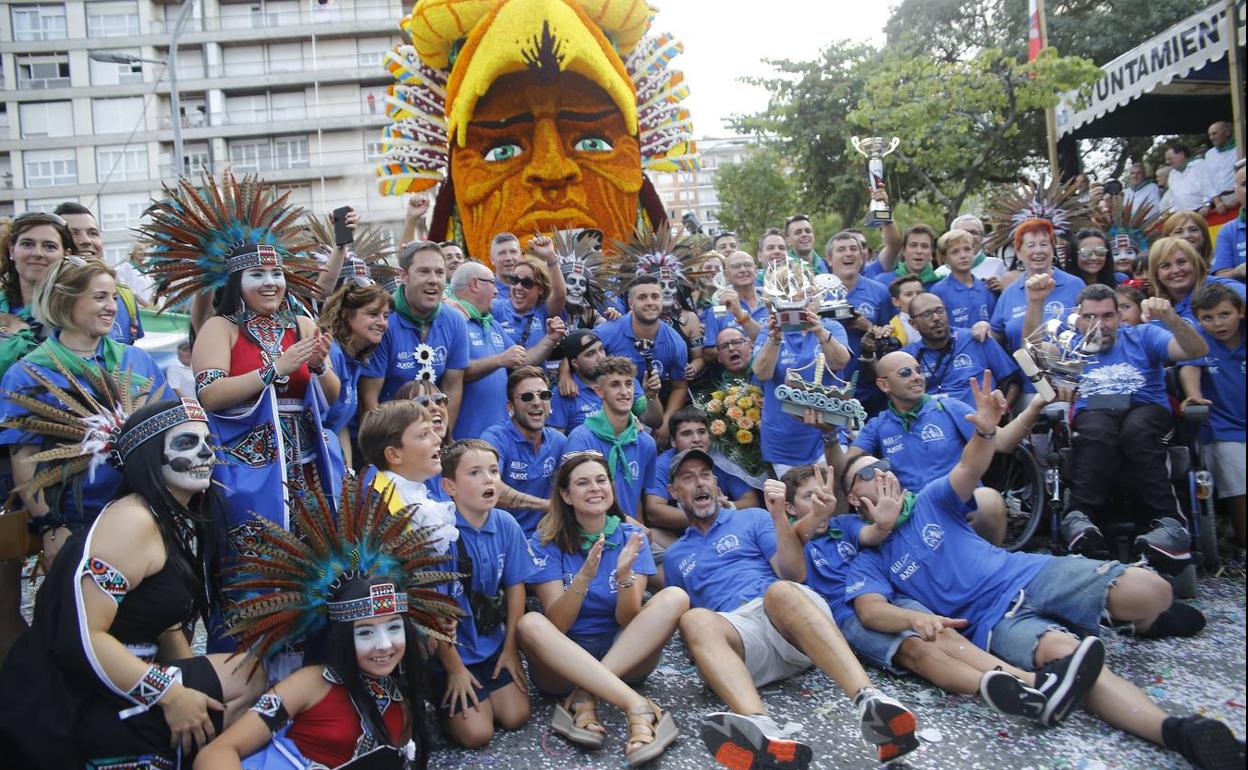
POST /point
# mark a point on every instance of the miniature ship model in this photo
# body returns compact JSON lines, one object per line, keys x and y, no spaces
{"x":833,"y":402}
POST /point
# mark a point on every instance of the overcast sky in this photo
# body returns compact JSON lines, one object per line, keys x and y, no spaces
{"x":726,"y":39}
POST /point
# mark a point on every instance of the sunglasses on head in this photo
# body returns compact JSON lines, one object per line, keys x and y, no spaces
{"x":867,"y":472}
{"x":796,"y":218}
{"x":528,"y":397}
{"x":55,"y":219}
{"x":437,"y":399}
{"x":515,"y":280}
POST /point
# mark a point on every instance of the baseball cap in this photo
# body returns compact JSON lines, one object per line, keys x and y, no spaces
{"x":689,"y":454}
{"x":576,"y":341}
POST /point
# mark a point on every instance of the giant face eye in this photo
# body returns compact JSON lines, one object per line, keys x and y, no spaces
{"x":503,"y":151}
{"x":592,"y":144}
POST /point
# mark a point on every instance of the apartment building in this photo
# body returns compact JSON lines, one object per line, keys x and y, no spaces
{"x":685,"y":191}
{"x":291,"y":89}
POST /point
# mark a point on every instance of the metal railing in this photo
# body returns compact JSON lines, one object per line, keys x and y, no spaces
{"x":313,"y":162}
{"x":27,"y":84}
{"x":378,"y":10}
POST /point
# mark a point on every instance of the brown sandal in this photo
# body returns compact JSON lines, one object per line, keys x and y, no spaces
{"x":650,"y":731}
{"x":573,"y":718}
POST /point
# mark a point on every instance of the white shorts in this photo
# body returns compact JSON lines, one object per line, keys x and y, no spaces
{"x":768,"y":655}
{"x":1226,"y":460}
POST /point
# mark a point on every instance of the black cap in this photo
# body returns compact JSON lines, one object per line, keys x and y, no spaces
{"x":576,"y":341}
{"x":688,"y":454}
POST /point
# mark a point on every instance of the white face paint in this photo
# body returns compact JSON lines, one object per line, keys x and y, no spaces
{"x":667,"y":283}
{"x":187,"y":462}
{"x":379,"y":644}
{"x":263,"y":287}
{"x":577,"y":285}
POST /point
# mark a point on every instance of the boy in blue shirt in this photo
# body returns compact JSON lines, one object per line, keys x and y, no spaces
{"x":968,"y":300}
{"x":1019,"y":605}
{"x":1218,"y":380}
{"x":528,"y":450}
{"x":614,"y":432}
{"x":924,"y":643}
{"x":473,"y":679}
{"x":755,"y":622}
{"x":585,"y":352}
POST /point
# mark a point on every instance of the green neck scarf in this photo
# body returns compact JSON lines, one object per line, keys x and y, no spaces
{"x":927,"y":276}
{"x":1230,"y":145}
{"x":907,"y":508}
{"x":405,"y":310}
{"x":617,"y":460}
{"x":979,"y":258}
{"x":485,"y":319}
{"x":52,"y":352}
{"x":608,"y":531}
{"x":908,"y":417}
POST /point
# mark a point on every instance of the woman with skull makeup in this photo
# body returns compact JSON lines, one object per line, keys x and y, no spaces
{"x":108,"y":657}
{"x":365,"y":579}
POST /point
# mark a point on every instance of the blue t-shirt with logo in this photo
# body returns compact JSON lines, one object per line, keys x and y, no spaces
{"x":949,"y":371}
{"x":828,"y":557}
{"x":729,"y":565}
{"x":1007,"y":317}
{"x":938,"y":560}
{"x":500,"y":559}
{"x":785,"y":438}
{"x":1184,"y":306}
{"x":966,"y":305}
{"x":395,"y":358}
{"x":713,"y":324}
{"x":568,"y":413}
{"x":872,"y":301}
{"x":485,"y":399}
{"x":525,"y":469}
{"x":1222,"y":381}
{"x":1134,"y":365}
{"x":730,"y":486}
{"x":640,"y":456}
{"x":670,"y":353}
{"x":920,"y":448}
{"x":1228,"y":249}
{"x":597,"y":615}
{"x":526,"y":329}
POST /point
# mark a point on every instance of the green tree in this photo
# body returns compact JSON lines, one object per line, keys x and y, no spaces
{"x":755,"y":194}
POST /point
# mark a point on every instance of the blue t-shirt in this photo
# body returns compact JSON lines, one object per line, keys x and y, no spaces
{"x":1228,"y":249}
{"x":395,"y":358}
{"x":500,"y":559}
{"x":630,"y":487}
{"x":525,"y":469}
{"x":949,"y":371}
{"x":597,"y":614}
{"x":937,"y":559}
{"x":348,"y":369}
{"x":920,"y":448}
{"x":1134,"y":365}
{"x":729,"y":565}
{"x":436,"y":492}
{"x":526,"y":329}
{"x":874,"y":269}
{"x":872,"y":301}
{"x":1184,"y":306}
{"x":785,"y":438}
{"x":828,"y":557}
{"x":126,"y":328}
{"x":95,"y":492}
{"x":966,"y":305}
{"x":568,"y":413}
{"x":730,"y":486}
{"x":1222,"y":381}
{"x":671,"y":355}
{"x":713,"y":324}
{"x":1007,"y":317}
{"x":485,"y":399}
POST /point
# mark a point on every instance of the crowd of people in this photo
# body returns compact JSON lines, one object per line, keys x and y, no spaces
{"x":407,"y":501}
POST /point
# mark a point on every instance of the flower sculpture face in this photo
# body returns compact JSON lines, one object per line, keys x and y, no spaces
{"x":542,"y":156}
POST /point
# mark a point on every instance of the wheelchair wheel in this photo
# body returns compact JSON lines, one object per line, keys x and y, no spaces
{"x":1207,"y":535}
{"x":1020,"y":480}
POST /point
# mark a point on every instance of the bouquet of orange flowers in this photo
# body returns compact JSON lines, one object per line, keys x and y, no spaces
{"x":735,"y":413}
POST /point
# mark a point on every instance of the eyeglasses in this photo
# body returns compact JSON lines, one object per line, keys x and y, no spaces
{"x":437,"y":399}
{"x":928,"y":315}
{"x":732,"y":344}
{"x":1093,"y":251}
{"x":55,"y":219}
{"x":528,"y":397}
{"x":515,"y":280}
{"x":866,"y":473}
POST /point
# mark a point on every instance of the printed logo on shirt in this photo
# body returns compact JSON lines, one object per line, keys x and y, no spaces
{"x":502,"y":562}
{"x":727,"y":543}
{"x":497,"y":339}
{"x":540,"y":560}
{"x":962,"y":361}
{"x":518,"y":470}
{"x":457,"y":588}
{"x":548,"y":467}
{"x":855,"y":586}
{"x":905,"y":567}
{"x":1052,"y":308}
{"x":634,"y":469}
{"x":687,"y":565}
{"x":615,"y":588}
{"x":867,"y":309}
{"x":931,"y":432}
{"x":933,"y":536}
{"x":846,"y":549}
{"x":1115,"y":379}
{"x":817,"y":559}
{"x":788,"y":358}
{"x":893,"y":444}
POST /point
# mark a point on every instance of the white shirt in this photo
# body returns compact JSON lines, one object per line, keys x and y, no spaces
{"x":1219,"y":171}
{"x":429,"y":513}
{"x":1187,"y":187}
{"x":139,"y":283}
{"x":181,"y":378}
{"x":1148,"y":192}
{"x":991,"y":267}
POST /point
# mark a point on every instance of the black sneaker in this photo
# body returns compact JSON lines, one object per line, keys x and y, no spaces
{"x":1066,"y":681}
{"x":886,"y":723}
{"x":1007,"y":694}
{"x":752,"y":742}
{"x":1179,"y":619}
{"x":1210,"y":745}
{"x":1081,"y":535}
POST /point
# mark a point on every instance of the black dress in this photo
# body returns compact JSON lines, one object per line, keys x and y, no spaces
{"x":58,"y":709}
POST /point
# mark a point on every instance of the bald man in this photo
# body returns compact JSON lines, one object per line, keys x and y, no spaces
{"x":1218,"y":183}
{"x":922,"y":436}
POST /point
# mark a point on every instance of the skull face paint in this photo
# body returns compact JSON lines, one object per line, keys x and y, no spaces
{"x":668,"y":285}
{"x":577,"y":279}
{"x":379,"y":644}
{"x":187,"y":459}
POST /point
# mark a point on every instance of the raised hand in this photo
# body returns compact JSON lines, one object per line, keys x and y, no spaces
{"x":889,"y":499}
{"x":1157,"y":309}
{"x":990,"y":405}
{"x":542,"y":246}
{"x":416,"y":206}
{"x":556,"y":328}
{"x":773,"y":498}
{"x":981,"y":331}
{"x":628,"y":556}
{"x":1039,"y":287}
{"x":514,"y":356}
{"x":824,"y":494}
{"x":593,"y":559}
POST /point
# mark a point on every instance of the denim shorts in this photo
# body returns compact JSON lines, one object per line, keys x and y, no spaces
{"x":1068,"y":594}
{"x":877,"y":647}
{"x":597,"y":645}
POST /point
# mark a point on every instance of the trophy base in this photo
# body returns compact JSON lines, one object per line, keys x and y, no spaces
{"x":878,"y":218}
{"x":791,"y":320}
{"x":838,"y":311}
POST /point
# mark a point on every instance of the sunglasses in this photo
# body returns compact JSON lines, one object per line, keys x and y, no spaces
{"x":867,"y":472}
{"x":437,"y":399}
{"x":528,"y":397}
{"x":1094,"y":251}
{"x":515,"y":280}
{"x":906,"y":372}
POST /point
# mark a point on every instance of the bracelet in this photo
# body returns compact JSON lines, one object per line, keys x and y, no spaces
{"x":627,"y":583}
{"x":575,"y":590}
{"x":155,"y":684}
{"x":742,"y":318}
{"x":773,"y":341}
{"x":318,"y":371}
{"x":41,"y":525}
{"x":989,"y":436}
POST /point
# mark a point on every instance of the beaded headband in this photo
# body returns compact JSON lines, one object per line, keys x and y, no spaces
{"x":186,"y":411}
{"x":265,"y":255}
{"x":383,"y":599}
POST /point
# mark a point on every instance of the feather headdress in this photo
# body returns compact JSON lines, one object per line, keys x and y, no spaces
{"x":365,"y":562}
{"x":369,"y":253}
{"x":196,"y":237}
{"x":1137,"y":225}
{"x":1054,"y":201}
{"x":580,"y":261}
{"x":87,"y":425}
{"x":663,"y":255}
